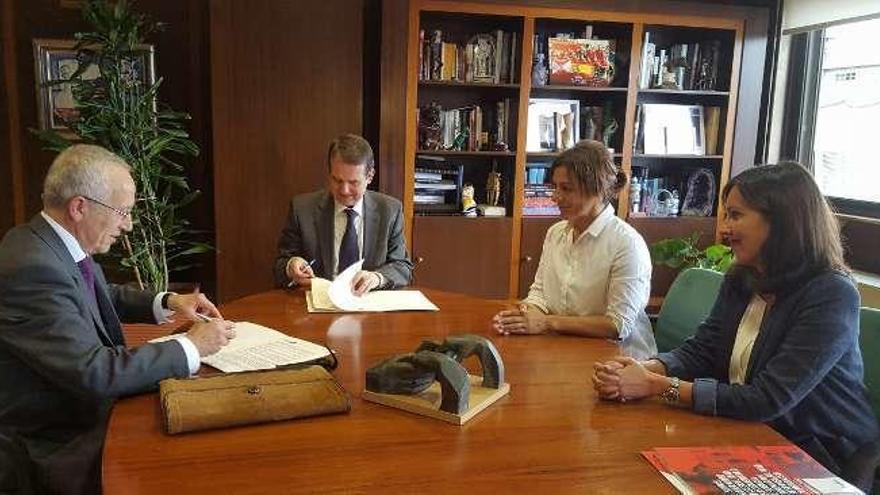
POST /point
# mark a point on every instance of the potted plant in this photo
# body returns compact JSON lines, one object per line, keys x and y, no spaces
{"x":121,"y":112}
{"x":680,"y":253}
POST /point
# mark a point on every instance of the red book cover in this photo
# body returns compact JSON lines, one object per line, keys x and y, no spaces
{"x":778,"y":469}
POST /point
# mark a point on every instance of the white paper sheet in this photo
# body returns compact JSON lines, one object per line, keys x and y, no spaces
{"x":337,"y":297}
{"x":256,"y":347}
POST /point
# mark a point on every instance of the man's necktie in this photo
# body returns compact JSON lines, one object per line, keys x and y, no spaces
{"x":348,"y":248}
{"x":88,"y":272}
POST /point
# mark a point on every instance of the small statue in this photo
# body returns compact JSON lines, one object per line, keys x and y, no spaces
{"x":429,"y":127}
{"x":609,"y":126}
{"x":493,"y":188}
{"x":468,"y":204}
{"x":668,"y":80}
{"x":589,"y":125}
{"x":500,"y":143}
{"x":539,"y":71}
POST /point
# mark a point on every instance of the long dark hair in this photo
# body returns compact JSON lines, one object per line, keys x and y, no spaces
{"x":804,"y":237}
{"x":590,"y":165}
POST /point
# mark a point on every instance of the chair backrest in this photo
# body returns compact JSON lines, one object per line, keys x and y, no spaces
{"x":869,"y":341}
{"x":685,"y":306}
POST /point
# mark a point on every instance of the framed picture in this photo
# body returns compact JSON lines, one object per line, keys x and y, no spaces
{"x":581,"y":62}
{"x":56,"y":60}
{"x":552,"y":125}
{"x":671,"y":129}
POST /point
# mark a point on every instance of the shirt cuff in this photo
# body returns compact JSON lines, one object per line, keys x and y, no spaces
{"x":705,"y":394}
{"x":193,"y":361}
{"x":161,"y":314}
{"x":672,"y":364}
{"x":537,"y":303}
{"x":382,"y":280}
{"x":287,"y":266}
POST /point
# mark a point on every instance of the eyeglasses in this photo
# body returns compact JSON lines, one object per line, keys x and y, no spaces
{"x":121,"y":213}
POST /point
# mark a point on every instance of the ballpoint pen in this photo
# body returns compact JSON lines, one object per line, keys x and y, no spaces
{"x":205,"y":318}
{"x":293,"y":282}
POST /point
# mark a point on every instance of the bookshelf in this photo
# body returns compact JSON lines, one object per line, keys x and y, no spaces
{"x":613,"y":110}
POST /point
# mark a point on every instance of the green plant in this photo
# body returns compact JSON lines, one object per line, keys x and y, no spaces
{"x":123,"y":114}
{"x":684,"y":253}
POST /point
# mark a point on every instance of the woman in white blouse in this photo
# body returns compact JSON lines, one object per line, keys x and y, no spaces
{"x":594,"y":278}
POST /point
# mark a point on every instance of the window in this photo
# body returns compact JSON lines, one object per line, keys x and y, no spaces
{"x":846,"y":145}
{"x":831,"y":110}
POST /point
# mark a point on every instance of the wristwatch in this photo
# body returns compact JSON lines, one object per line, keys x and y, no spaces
{"x":672,"y":394}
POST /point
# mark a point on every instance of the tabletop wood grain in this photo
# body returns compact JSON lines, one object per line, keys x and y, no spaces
{"x":550,"y":435}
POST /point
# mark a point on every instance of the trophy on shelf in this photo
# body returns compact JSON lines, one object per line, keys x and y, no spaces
{"x":429,"y":127}
{"x":493,"y":196}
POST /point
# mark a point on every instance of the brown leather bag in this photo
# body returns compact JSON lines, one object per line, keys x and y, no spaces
{"x":201,"y":403}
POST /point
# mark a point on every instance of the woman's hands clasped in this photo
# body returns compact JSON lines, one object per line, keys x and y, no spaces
{"x":622,"y":379}
{"x":525,"y":319}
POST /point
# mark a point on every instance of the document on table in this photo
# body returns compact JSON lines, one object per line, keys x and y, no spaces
{"x":337,"y":297}
{"x":256,"y":347}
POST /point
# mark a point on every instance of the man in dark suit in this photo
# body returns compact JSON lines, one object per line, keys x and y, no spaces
{"x":63,"y":358}
{"x":328,"y":230}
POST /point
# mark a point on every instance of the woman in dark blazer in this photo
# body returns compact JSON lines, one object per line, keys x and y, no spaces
{"x":781,"y":343}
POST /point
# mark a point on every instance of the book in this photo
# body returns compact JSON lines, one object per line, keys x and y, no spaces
{"x":337,"y":296}
{"x":449,"y":67}
{"x":256,"y":347}
{"x":713,"y":124}
{"x":777,"y":469}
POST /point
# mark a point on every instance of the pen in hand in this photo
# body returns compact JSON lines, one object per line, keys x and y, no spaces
{"x":292,"y":283}
{"x":204,"y":318}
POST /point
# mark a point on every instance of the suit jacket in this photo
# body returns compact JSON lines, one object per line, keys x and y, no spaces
{"x":63,"y":358}
{"x":805,"y":372}
{"x":308,"y":234}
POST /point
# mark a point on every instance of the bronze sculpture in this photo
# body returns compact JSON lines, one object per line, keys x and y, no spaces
{"x":412,"y":373}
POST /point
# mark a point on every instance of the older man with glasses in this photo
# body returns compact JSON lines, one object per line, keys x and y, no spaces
{"x":63,"y":358}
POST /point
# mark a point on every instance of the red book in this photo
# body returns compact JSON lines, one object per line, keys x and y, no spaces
{"x":778,"y":469}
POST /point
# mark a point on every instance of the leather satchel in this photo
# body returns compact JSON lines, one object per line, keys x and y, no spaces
{"x":201,"y":403}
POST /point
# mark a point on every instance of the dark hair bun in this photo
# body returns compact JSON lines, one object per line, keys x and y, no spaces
{"x":620,"y":182}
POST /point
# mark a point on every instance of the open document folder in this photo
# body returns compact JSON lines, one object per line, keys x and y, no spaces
{"x":256,"y":347}
{"x":337,"y":297}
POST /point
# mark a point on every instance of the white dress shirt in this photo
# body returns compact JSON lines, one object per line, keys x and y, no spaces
{"x":340,"y":220}
{"x":161,"y":315}
{"x":604,"y":271}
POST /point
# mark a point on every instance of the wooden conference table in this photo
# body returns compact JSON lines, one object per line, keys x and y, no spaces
{"x":550,"y":435}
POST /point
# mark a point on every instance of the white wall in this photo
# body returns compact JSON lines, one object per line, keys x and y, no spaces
{"x":798,"y":14}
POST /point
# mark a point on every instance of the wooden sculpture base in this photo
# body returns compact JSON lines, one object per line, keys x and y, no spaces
{"x":427,"y":403}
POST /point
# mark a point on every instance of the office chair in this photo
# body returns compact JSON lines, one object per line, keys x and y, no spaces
{"x":686,"y":305}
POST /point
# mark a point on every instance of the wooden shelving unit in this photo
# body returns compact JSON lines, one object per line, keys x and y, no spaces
{"x":513,"y":241}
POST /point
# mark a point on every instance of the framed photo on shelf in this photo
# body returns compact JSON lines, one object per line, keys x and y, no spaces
{"x":552,"y":124}
{"x":55,"y":61}
{"x":673,"y":129}
{"x":581,"y":62}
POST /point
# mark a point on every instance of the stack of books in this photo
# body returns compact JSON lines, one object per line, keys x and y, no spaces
{"x":437,"y":186}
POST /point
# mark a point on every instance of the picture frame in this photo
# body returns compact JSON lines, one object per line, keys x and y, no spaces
{"x":56,"y":60}
{"x":581,"y":62}
{"x":673,"y":129}
{"x":552,"y":124}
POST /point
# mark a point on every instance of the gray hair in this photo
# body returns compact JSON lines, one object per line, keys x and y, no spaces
{"x":80,"y":170}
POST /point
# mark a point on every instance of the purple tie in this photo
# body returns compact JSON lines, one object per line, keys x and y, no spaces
{"x":88,"y":272}
{"x":348,"y":248}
